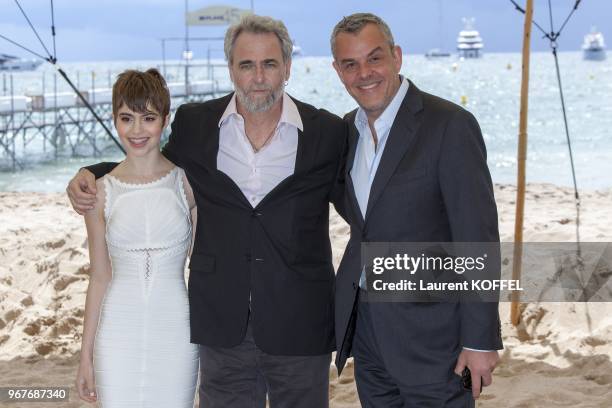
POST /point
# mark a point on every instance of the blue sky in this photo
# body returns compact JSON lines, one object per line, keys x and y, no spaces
{"x":90,"y":30}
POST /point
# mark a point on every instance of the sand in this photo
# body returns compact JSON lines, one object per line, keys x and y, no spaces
{"x":560,"y":355}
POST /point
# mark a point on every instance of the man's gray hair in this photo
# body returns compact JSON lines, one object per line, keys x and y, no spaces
{"x":354,"y":23}
{"x":255,"y":24}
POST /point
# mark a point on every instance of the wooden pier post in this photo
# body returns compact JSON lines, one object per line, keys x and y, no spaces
{"x":515,"y":315}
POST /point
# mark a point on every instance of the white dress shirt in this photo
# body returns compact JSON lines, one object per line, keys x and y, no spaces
{"x":367,"y":155}
{"x":257,"y":173}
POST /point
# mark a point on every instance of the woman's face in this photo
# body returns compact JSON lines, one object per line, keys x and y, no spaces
{"x":139,"y":133}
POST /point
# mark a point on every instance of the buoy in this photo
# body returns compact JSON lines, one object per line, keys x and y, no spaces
{"x":509,"y":66}
{"x":454,"y":66}
{"x":464,"y":100}
{"x":308,"y":70}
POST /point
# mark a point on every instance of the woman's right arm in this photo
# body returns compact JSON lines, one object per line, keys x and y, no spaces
{"x":99,"y":278}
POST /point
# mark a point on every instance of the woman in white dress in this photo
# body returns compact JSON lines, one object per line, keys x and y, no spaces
{"x":135,"y":350}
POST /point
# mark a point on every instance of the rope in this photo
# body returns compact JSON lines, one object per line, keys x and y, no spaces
{"x":522,"y":10}
{"x":24,"y":48}
{"x":570,"y":14}
{"x":552,"y":38}
{"x":33,"y":29}
{"x":550,"y":15}
{"x":53,"y":31}
{"x":53,"y":61}
{"x":91,"y":109}
{"x":569,"y":144}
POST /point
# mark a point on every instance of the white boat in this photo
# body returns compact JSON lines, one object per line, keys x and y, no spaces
{"x":296,"y":51}
{"x":469,"y":42}
{"x":12,"y":63}
{"x":439,"y":51}
{"x":594,"y":47}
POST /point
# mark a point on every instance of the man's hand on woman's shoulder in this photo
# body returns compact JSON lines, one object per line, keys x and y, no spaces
{"x":82,"y":191}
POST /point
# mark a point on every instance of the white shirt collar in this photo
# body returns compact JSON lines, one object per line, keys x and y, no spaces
{"x":289,"y":113}
{"x":388,"y":116}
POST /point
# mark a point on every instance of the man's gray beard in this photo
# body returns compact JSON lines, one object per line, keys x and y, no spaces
{"x":254,"y":106}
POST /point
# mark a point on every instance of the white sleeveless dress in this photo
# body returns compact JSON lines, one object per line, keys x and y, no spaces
{"x":142,"y":355}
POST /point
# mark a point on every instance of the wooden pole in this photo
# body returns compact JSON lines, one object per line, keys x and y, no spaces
{"x":515,"y":315}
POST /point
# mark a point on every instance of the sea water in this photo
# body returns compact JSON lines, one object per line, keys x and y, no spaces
{"x":488,"y":87}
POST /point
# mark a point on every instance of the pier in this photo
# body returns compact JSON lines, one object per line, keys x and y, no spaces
{"x":51,"y":124}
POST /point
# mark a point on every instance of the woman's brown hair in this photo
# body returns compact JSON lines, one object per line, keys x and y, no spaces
{"x":141,"y":91}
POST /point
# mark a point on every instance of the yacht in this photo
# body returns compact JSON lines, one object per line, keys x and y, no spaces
{"x":296,"y":51}
{"x":469,"y":42}
{"x":593,"y":47}
{"x":12,"y":63}
{"x":439,"y":52}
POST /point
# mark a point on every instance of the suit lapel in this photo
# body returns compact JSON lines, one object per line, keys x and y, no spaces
{"x":209,"y":147}
{"x":308,"y":143}
{"x":209,"y":128}
{"x":400,"y":138}
{"x":308,"y":140}
{"x":350,"y":158}
{"x":353,"y":137}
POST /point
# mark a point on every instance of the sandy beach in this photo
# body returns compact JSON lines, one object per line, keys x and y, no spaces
{"x":560,"y":355}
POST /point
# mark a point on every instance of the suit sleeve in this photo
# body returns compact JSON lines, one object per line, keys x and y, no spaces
{"x":467,"y":192}
{"x":337,"y":194}
{"x":171,"y":149}
{"x":101,"y":169}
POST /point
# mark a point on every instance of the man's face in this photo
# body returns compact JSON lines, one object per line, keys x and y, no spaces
{"x":368,"y":68}
{"x":258,"y":71}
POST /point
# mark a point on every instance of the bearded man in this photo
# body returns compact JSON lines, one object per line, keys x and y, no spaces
{"x":263,"y":167}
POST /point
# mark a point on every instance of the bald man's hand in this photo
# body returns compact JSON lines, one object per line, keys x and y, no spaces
{"x":481,"y":365}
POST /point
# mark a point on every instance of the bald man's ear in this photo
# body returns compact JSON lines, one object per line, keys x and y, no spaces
{"x":397,"y":54}
{"x":337,"y":68}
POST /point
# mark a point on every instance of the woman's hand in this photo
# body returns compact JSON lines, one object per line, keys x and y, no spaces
{"x":85,"y":382}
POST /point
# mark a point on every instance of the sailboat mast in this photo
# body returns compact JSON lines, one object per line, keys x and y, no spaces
{"x":186,"y":53}
{"x":441,"y":31}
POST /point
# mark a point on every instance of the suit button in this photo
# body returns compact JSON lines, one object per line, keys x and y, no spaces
{"x":354,"y":286}
{"x":247,"y":257}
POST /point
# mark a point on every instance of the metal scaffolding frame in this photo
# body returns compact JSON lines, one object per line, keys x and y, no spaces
{"x":46,"y":129}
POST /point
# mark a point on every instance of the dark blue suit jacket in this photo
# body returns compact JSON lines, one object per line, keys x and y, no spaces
{"x":432,"y":185}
